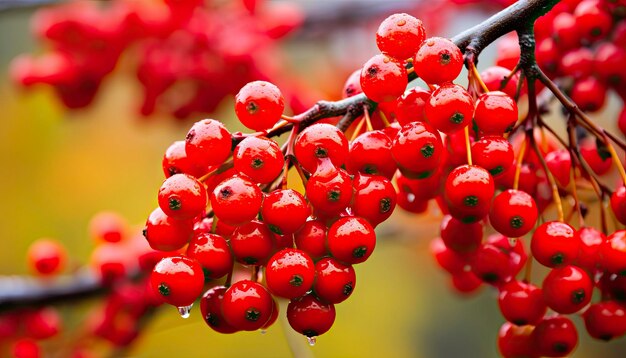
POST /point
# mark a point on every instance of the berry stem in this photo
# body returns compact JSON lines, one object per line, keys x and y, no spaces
{"x":475,"y":76}
{"x":518,"y":164}
{"x":383,"y":117}
{"x":368,"y":121}
{"x":468,"y":146}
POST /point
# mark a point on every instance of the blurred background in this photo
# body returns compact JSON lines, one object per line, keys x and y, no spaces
{"x":59,"y":167}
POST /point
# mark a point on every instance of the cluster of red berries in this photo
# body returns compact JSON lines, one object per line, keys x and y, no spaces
{"x":191,"y":54}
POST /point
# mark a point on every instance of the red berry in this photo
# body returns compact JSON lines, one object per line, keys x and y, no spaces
{"x":259,"y":105}
{"x":351,"y":239}
{"x":182,"y":197}
{"x":370,"y":153}
{"x":560,"y":165}
{"x":290,"y":273}
{"x":108,"y":227}
{"x":589,"y":94}
{"x":493,"y":153}
{"x":447,"y":259}
{"x":252,"y":243}
{"x":259,"y":158}
{"x":495,"y":113}
{"x":26,"y":348}
{"x":46,"y":257}
{"x":247,"y":305}
{"x":468,"y":192}
{"x":492,"y":264}
{"x":495,"y":75}
{"x":513,"y":213}
{"x":321,"y":141}
{"x":618,"y":204}
{"x":236,"y":200}
{"x":374,"y":198}
{"x":555,"y":336}
{"x":555,"y":244}
{"x":329,"y":190}
{"x":417,"y":148}
{"x":567,"y":289}
{"x":597,"y":157}
{"x":466,"y":282}
{"x":175,"y":161}
{"x":334,"y":281}
{"x":309,"y":316}
{"x":383,"y":79}
{"x":605,"y":320}
{"x":438,"y":60}
{"x":593,"y":20}
{"x":42,"y":323}
{"x":165,"y":233}
{"x":213,"y":253}
{"x":400,"y":36}
{"x":577,"y":63}
{"x":208,"y":142}
{"x":460,"y":237}
{"x":410,"y":107}
{"x":613,"y":253}
{"x":311,"y":238}
{"x":450,"y":108}
{"x":211,"y":308}
{"x":285,"y":211}
{"x":352,"y":87}
{"x":178,"y":279}
{"x":608,"y":63}
{"x":516,"y":341}
{"x":591,"y":241}
{"x":521,"y":303}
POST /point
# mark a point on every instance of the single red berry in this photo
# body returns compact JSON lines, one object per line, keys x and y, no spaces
{"x":555,"y":336}
{"x":334,"y":281}
{"x":559,"y":163}
{"x":548,"y":55}
{"x":459,"y":236}
{"x":182,"y":196}
{"x":46,"y":257}
{"x":178,"y":279}
{"x":374,"y":198}
{"x":213,"y":253}
{"x":453,"y":262}
{"x":516,"y":341}
{"x":608,"y":63}
{"x":383,"y":79}
{"x":566,"y":32}
{"x":311,"y":238}
{"x":577,"y":63}
{"x":352,"y":87}
{"x":351,"y":239}
{"x":309,"y":316}
{"x":400,"y":36}
{"x":618,"y":204}
{"x":613,"y":253}
{"x":513,"y":213}
{"x":165,"y":233}
{"x":107,"y":226}
{"x":42,"y":323}
{"x":495,"y":113}
{"x":567,"y":289}
{"x":468,"y":192}
{"x":321,"y":141}
{"x":598,"y":157}
{"x":329,"y":190}
{"x":605,"y":320}
{"x":419,"y":190}
{"x":289,"y":273}
{"x":176,"y":161}
{"x":259,"y":158}
{"x":26,"y":348}
{"x":494,"y":76}
{"x":410,"y":107}
{"x":211,"y":309}
{"x":492,"y":264}
{"x":112,"y":262}
{"x":252,"y":243}
{"x":236,"y":200}
{"x":247,"y":305}
{"x":593,"y":20}
{"x":450,"y":108}
{"x":418,"y":148}
{"x":589,"y":94}
{"x":370,"y":153}
{"x":508,"y":51}
{"x":493,"y":153}
{"x":521,"y":303}
{"x":208,"y":142}
{"x":515,"y":248}
{"x":285,"y":211}
{"x":591,"y":241}
{"x":555,"y":244}
{"x":438,"y":60}
{"x":259,"y":105}
{"x":466,"y":282}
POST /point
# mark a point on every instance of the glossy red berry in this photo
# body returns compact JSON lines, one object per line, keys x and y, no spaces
{"x":495,"y":113}
{"x":178,"y":280}
{"x":450,"y":108}
{"x":613,"y":253}
{"x":259,"y":105}
{"x":417,"y":148}
{"x":211,"y":309}
{"x":383,"y":79}
{"x":513,"y":213}
{"x":597,"y":157}
{"x":555,"y":336}
{"x":608,"y":61}
{"x":247,"y":305}
{"x":259,"y":158}
{"x":334,"y":281}
{"x":410,"y":106}
{"x":555,"y":244}
{"x":208,"y":142}
{"x":593,"y":20}
{"x":493,"y":153}
{"x":311,"y":238}
{"x":236,"y":200}
{"x":252,"y":243}
{"x":589,"y":94}
{"x":460,"y":237}
{"x":290,"y":273}
{"x":466,"y":282}
{"x":165,"y":233}
{"x":521,"y":303}
{"x":559,"y":163}
{"x":374,"y":198}
{"x":605,"y":320}
{"x":447,"y":259}
{"x":182,"y":196}
{"x":591,"y":240}
{"x":618,"y":204}
{"x":492,"y":264}
{"x":176,"y":161}
{"x":567,"y":289}
{"x":213,"y":253}
{"x":370,"y":153}
{"x":438,"y":60}
{"x":285,"y":211}
{"x":400,"y":36}
{"x":468,"y":192}
{"x":351,"y":239}
{"x":309,"y":316}
{"x":46,"y":257}
{"x":329,"y":190}
{"x":321,"y":141}
{"x":494,"y":76}
{"x":516,"y":341}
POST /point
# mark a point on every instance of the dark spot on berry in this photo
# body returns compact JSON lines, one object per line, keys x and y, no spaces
{"x":190,"y":135}
{"x":207,"y":274}
{"x":372,"y":71}
{"x":469,"y":219}
{"x":347,"y":289}
{"x":226,"y":193}
{"x":424,"y":175}
{"x":359,"y":252}
{"x":296,"y":281}
{"x":428,"y":150}
{"x":333,"y":195}
{"x":253,"y":314}
{"x":164,"y":290}
{"x":457,"y":118}
{"x":560,"y":347}
{"x":370,"y":169}
{"x":251,"y":107}
{"x":596,"y":31}
{"x":350,"y":91}
{"x":212,"y":320}
{"x":257,"y":163}
{"x":444,"y":58}
{"x":145,"y":232}
{"x":172,"y":171}
{"x":321,"y":152}
{"x":578,"y":296}
{"x":250,"y":260}
{"x":310,"y":333}
{"x":497,"y":170}
{"x":275,"y":229}
{"x":519,"y":322}
{"x":516,"y":222}
{"x":557,"y":259}
{"x":606,"y":337}
{"x":490,"y":277}
{"x":385,"y":205}
{"x":509,"y":128}
{"x":470,"y":200}
{"x":174,"y":204}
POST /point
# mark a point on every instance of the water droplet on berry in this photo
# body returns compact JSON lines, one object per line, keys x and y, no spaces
{"x":401,"y":22}
{"x":430,"y":42}
{"x":184,"y":311}
{"x":311,"y":340}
